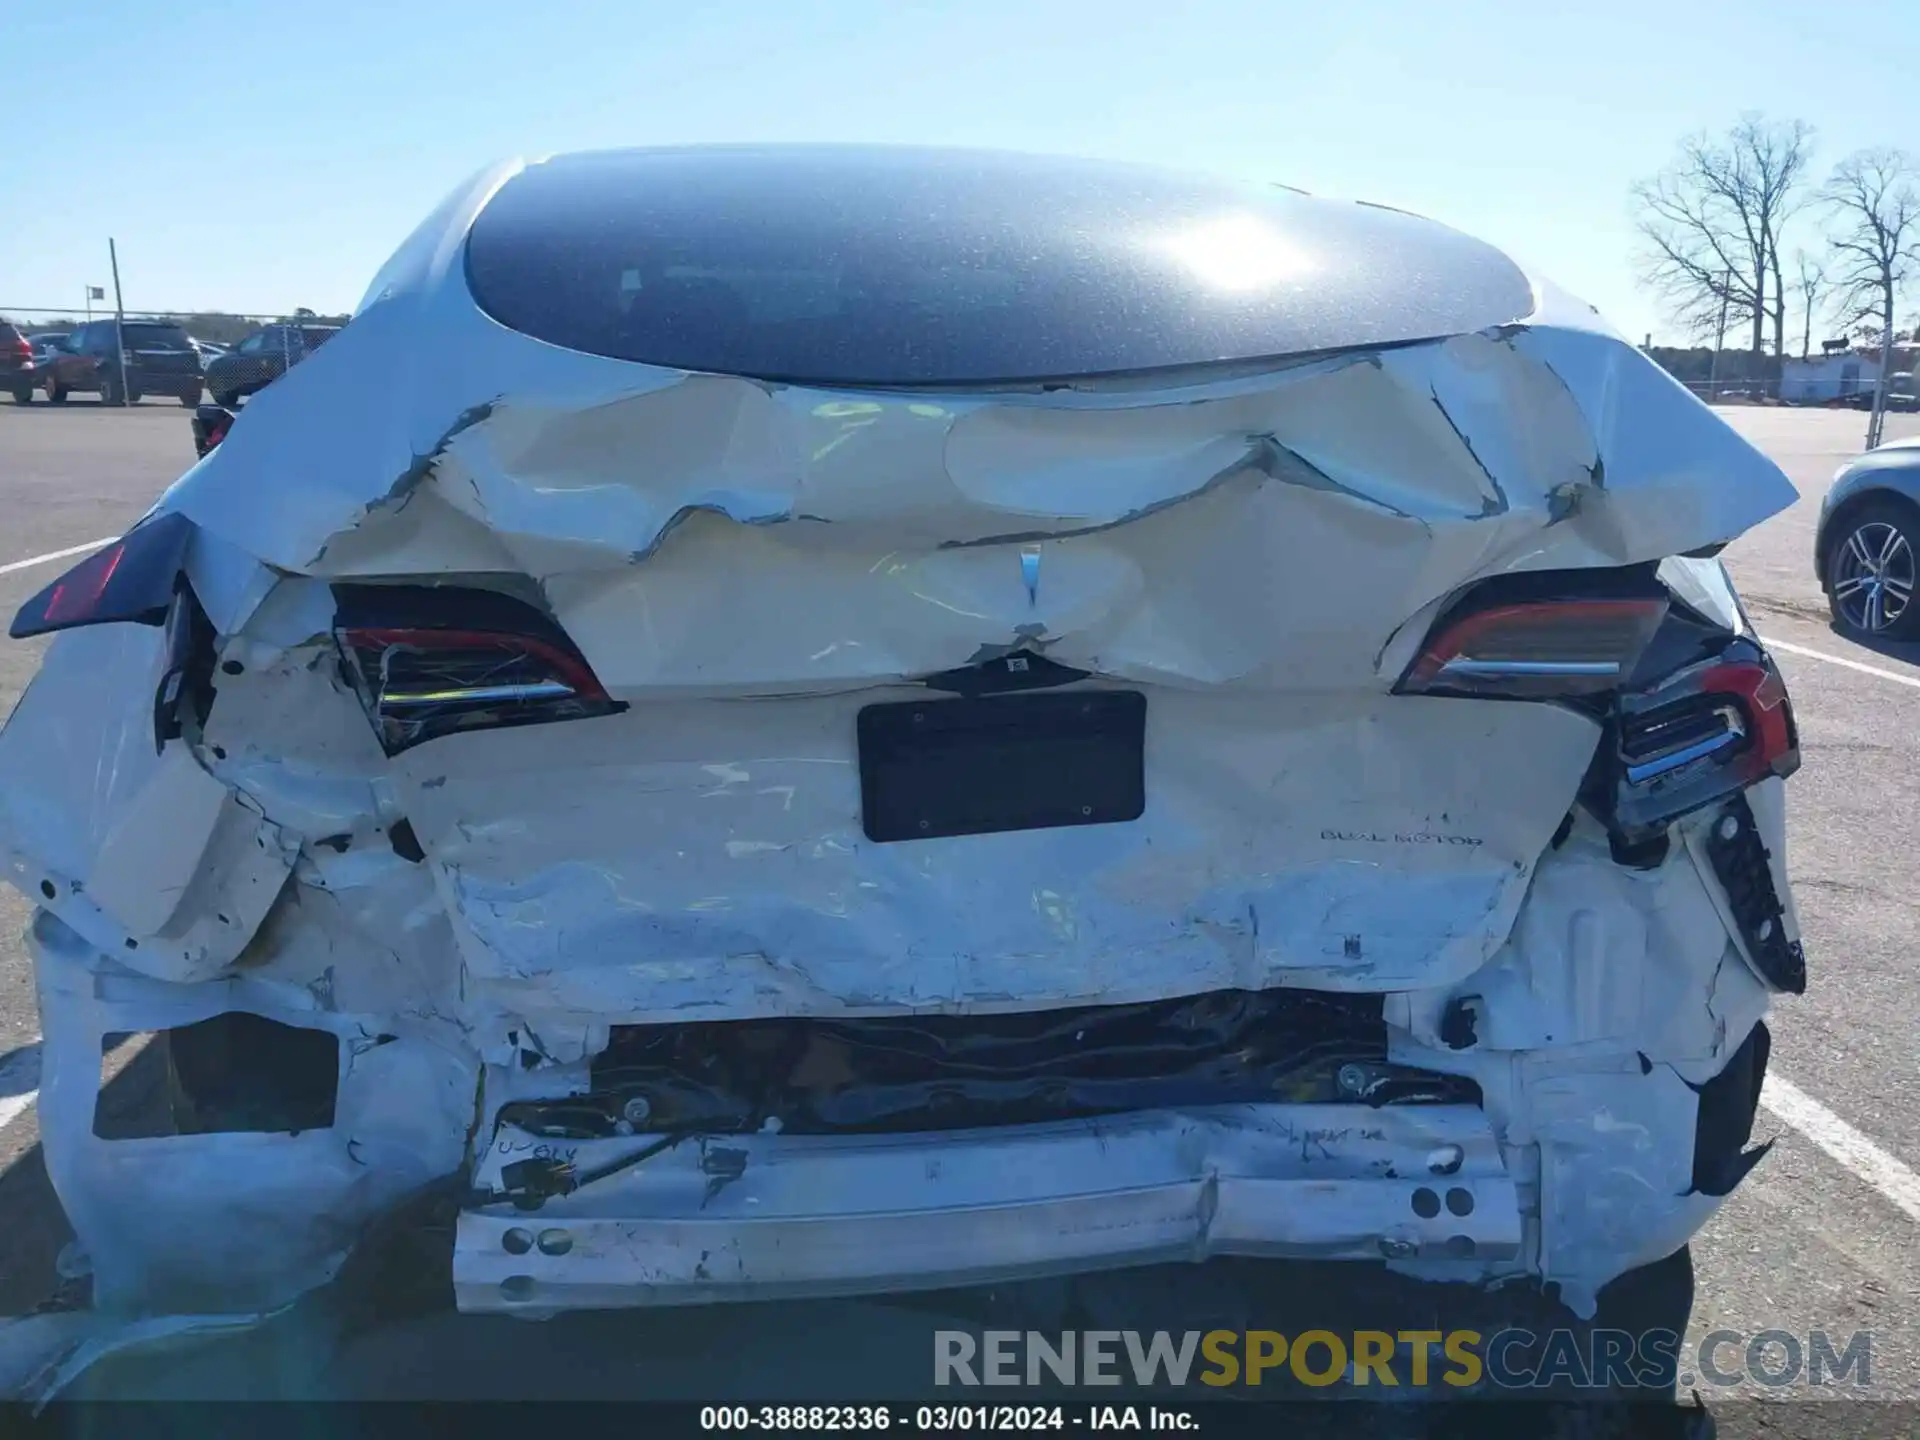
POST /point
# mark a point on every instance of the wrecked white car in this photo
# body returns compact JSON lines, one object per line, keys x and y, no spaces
{"x":804,"y":721}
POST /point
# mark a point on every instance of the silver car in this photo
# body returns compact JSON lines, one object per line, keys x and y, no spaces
{"x":1866,"y":542}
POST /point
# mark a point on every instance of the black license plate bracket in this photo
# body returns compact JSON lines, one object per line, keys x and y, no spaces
{"x":991,"y":764}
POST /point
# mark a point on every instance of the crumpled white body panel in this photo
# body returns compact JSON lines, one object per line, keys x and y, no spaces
{"x":153,"y":859}
{"x":701,"y":861}
{"x":1186,"y":532}
{"x":747,"y":564}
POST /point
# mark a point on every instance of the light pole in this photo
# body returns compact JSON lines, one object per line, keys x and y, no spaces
{"x":119,"y":326}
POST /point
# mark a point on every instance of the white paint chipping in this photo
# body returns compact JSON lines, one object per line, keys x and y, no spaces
{"x":1856,"y":1152}
{"x":1911,"y":681}
{"x":83,"y":549}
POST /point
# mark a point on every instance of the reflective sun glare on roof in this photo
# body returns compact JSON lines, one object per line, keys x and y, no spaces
{"x":1236,"y":252}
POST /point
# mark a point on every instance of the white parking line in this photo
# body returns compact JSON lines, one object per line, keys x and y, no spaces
{"x":88,"y":548}
{"x":19,"y":1083}
{"x":1844,"y":1143}
{"x":1894,"y":675}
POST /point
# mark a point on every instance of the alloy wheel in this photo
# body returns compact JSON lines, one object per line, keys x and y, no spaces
{"x":1873,"y":577}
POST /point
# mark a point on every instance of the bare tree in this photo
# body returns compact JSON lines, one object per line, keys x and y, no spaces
{"x":1874,"y":198}
{"x":1712,"y":223}
{"x":1809,"y":283}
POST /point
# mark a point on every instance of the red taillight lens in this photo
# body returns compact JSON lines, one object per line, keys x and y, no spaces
{"x":421,"y":681}
{"x":209,"y":430}
{"x":131,"y":580}
{"x":1536,"y":650}
{"x":1698,"y":736}
{"x":1763,"y":695}
{"x":21,"y":348}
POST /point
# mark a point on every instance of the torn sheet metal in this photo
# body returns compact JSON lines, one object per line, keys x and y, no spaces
{"x":763,"y":1216}
{"x":232,"y":1221}
{"x":1428,"y":467}
{"x":1546,"y":442}
{"x":136,"y":847}
{"x":1616,"y":1169}
{"x":1607,"y":960}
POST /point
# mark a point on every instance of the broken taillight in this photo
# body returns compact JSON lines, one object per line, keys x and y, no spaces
{"x":1691,"y":712}
{"x":1696,"y":736}
{"x":1536,"y":649}
{"x":431,"y":662}
{"x":132,"y":581}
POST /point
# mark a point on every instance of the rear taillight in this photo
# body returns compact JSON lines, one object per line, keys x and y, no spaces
{"x":1694,"y":738}
{"x":443,"y":661}
{"x":20,"y":348}
{"x":1537,"y":649}
{"x":131,"y":580}
{"x":210,"y":426}
{"x":1690,"y":712}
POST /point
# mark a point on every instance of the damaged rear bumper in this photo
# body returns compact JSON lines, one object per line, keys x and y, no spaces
{"x":782,"y":1216}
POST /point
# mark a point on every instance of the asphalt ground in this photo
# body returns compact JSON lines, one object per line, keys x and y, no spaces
{"x":1820,"y":1237}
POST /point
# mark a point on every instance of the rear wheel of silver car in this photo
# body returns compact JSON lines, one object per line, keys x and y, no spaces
{"x":56,"y":394}
{"x":1873,"y":565}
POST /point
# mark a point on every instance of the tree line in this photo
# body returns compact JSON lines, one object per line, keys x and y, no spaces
{"x":1737,"y":224}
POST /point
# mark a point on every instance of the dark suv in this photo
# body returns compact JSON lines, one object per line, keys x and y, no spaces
{"x":262,"y":358}
{"x":16,"y":362}
{"x":158,"y":358}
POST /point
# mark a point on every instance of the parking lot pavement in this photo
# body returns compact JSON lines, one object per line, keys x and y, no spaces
{"x":1822,"y":1235}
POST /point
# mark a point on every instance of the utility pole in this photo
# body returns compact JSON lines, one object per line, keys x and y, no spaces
{"x":1720,"y":335}
{"x":120,"y":326}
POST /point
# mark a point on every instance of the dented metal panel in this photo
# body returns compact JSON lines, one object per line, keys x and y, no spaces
{"x":289,"y":1207}
{"x":1258,"y":548}
{"x":137,"y":848}
{"x":707,"y":861}
{"x":1429,"y":466}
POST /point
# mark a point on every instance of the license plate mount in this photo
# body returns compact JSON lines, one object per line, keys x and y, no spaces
{"x":931,"y":769}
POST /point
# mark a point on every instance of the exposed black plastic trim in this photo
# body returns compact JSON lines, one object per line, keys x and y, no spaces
{"x":1728,"y":1104}
{"x":1740,"y":862}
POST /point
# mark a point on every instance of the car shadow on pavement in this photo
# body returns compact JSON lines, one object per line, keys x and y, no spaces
{"x":37,"y":1228}
{"x":1905,"y":651}
{"x":36,"y":1231}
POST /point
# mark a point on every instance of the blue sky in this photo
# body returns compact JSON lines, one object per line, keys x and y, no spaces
{"x":259,"y":156}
